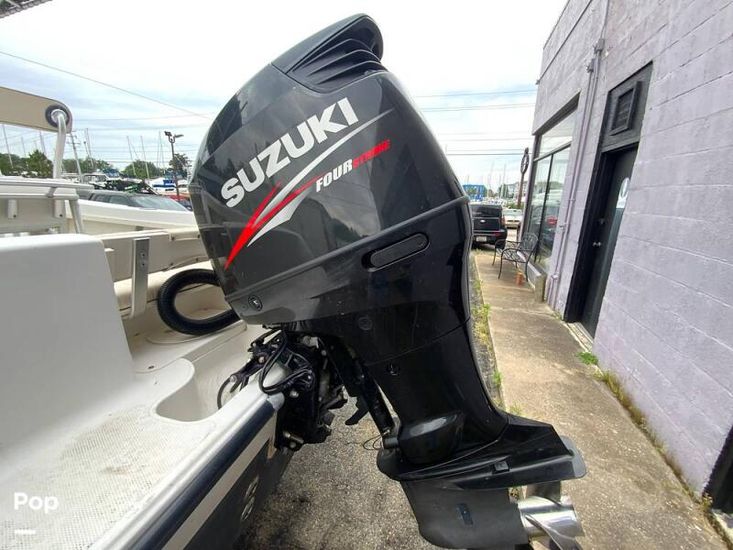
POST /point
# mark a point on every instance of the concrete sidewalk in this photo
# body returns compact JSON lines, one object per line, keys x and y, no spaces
{"x":630,"y":498}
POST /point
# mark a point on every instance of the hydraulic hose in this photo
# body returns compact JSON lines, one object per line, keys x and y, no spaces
{"x":175,"y":319}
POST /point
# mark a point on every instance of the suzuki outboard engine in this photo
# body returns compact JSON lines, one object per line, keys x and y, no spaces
{"x":332,"y":216}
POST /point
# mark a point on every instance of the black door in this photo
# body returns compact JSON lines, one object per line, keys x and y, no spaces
{"x":720,"y":486}
{"x":604,"y":232}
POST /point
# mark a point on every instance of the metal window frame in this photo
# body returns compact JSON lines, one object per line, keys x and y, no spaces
{"x":560,"y":114}
{"x":554,"y":151}
{"x":551,"y":155}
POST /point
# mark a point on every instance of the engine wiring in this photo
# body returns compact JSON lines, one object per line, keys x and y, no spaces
{"x":300,"y":377}
{"x":373,"y":443}
{"x":264,"y":356}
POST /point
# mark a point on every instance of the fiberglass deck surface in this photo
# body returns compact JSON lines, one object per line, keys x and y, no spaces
{"x":99,"y":477}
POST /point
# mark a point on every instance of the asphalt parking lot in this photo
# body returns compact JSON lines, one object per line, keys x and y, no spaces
{"x":332,"y":496}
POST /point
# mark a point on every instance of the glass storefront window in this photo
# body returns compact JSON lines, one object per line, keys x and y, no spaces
{"x":550,"y":170}
{"x":537,"y":200}
{"x":557,"y":136}
{"x":552,"y":206}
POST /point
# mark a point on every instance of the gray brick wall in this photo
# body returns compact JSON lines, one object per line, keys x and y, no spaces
{"x":666,"y":325}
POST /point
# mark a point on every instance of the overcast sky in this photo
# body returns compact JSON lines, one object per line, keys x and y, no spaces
{"x":475,"y":62}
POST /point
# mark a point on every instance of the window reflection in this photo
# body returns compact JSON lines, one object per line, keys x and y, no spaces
{"x":557,"y":136}
{"x":549,"y":177}
{"x":538,"y":196}
{"x":552,"y":206}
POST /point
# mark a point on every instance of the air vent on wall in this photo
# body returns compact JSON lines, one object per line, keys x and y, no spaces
{"x":623,"y":114}
{"x":337,"y":56}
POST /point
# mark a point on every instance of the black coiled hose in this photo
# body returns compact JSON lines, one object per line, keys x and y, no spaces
{"x":179,"y":322}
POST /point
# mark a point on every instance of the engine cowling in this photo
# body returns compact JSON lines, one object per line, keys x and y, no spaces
{"x":328,"y":209}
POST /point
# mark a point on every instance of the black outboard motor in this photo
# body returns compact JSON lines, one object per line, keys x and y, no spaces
{"x":331,"y":214}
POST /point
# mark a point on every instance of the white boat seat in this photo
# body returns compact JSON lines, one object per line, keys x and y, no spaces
{"x":59,"y":311}
{"x":83,"y":421}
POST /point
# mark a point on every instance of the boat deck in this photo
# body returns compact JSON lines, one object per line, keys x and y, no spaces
{"x":111,"y":420}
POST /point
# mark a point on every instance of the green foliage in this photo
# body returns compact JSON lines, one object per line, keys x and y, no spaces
{"x":13,"y":165}
{"x":608,"y":378}
{"x":496,"y":378}
{"x":613,"y":383}
{"x":69,"y":166}
{"x":39,"y":165}
{"x":588,"y":358}
{"x":180,"y":163}
{"x":137,"y":170}
{"x":90,"y":164}
{"x":87,"y":165}
{"x":481,"y":323}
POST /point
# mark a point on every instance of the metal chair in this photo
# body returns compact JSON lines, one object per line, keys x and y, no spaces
{"x":517,"y":252}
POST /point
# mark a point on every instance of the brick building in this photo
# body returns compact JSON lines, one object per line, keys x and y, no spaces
{"x":631,"y":198}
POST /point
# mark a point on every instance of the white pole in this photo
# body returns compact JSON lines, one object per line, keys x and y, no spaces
{"x":76,"y":156}
{"x":7,"y":148}
{"x":129,"y":146}
{"x":142,"y":146}
{"x":161,"y":164}
{"x":43,"y":143}
{"x":88,"y":145}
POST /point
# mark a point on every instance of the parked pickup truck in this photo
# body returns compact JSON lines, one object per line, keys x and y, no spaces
{"x":513,"y":217}
{"x":488,"y":223}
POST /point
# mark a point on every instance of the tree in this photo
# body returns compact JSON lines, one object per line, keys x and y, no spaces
{"x":180,"y":163}
{"x":39,"y":164}
{"x":138,"y":170}
{"x":70,"y":166}
{"x":88,"y":165}
{"x":14,"y":168}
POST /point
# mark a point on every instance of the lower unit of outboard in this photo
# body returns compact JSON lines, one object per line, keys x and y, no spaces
{"x":331,"y":215}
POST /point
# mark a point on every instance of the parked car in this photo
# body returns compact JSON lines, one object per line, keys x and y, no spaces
{"x":148,"y":201}
{"x":513,"y":217}
{"x":185,"y":200}
{"x":85,"y":193}
{"x":488,"y":223}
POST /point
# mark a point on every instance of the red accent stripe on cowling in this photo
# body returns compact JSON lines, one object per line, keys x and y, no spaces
{"x":249,"y":228}
{"x":366,"y":156}
{"x":254,"y":225}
